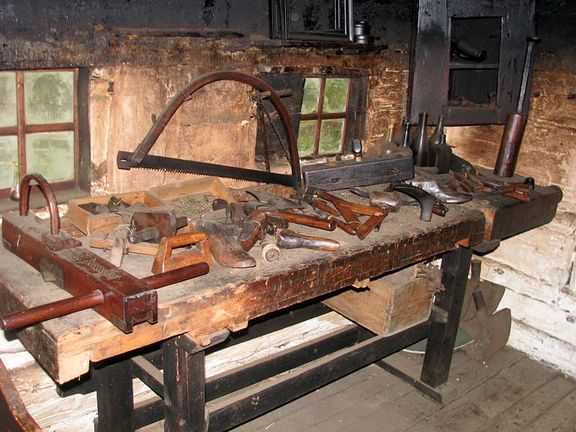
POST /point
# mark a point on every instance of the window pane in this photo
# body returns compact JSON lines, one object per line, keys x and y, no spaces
{"x":7,"y":99}
{"x":336,"y":95}
{"x":331,"y":136}
{"x":49,"y":97}
{"x":311,"y":93}
{"x":306,"y":137}
{"x":8,"y":157}
{"x":51,"y":154}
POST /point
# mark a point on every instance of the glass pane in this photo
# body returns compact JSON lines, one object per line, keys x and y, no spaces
{"x":49,"y":97}
{"x":7,"y":99}
{"x":306,"y":138}
{"x":8,"y":158}
{"x":51,"y":154}
{"x":331,"y":136}
{"x":336,"y":95}
{"x":311,"y":93}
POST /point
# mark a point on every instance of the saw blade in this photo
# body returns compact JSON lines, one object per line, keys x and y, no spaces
{"x":163,"y":163}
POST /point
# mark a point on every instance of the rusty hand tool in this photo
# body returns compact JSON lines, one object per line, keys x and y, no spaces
{"x":428,"y":204}
{"x":287,"y":209}
{"x":522,"y":191}
{"x":349,"y":210}
{"x":288,"y":239}
{"x":166,"y":260}
{"x":124,"y":299}
{"x":390,"y":200}
{"x":255,"y":216}
{"x":161,"y":223}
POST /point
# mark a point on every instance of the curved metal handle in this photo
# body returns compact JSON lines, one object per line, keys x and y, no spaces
{"x":48,"y":194}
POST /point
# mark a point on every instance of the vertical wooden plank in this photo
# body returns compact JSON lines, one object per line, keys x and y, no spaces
{"x":440,"y":347}
{"x":430,"y":56}
{"x":21,"y":121}
{"x":184,"y":388}
{"x":114,"y":396}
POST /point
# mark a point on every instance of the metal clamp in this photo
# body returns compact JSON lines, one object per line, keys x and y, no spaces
{"x":24,"y":204}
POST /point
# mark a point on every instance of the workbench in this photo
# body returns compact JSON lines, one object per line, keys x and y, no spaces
{"x":199,"y":314}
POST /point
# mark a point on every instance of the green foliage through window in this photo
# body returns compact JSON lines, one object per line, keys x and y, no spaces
{"x":323,"y":116}
{"x":37,"y":125}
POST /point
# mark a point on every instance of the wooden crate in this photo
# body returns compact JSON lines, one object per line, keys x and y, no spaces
{"x":89,"y":223}
{"x":389,"y":305}
{"x":202,"y":189}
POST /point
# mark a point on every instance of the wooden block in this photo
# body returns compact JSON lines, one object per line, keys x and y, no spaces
{"x":390,"y":304}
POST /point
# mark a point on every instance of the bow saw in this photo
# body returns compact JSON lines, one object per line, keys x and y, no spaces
{"x":141,"y":159}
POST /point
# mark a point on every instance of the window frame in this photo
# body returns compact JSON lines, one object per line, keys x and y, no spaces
{"x":356,"y":114}
{"x":22,"y":128}
{"x":319,"y":116}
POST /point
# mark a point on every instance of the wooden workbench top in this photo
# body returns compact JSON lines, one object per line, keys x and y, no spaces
{"x":228,"y":298}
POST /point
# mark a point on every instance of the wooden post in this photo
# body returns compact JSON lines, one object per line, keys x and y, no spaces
{"x":114,"y":397}
{"x":184,"y":386}
{"x":440,"y":347}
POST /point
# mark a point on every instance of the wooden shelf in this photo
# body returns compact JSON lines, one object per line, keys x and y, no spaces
{"x":473,"y":66}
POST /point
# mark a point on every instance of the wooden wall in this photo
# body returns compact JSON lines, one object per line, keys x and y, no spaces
{"x":537,"y":267}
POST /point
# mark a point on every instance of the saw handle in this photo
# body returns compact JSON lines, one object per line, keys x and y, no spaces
{"x":24,"y":204}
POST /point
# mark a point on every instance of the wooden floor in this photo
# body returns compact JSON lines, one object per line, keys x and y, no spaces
{"x":509,"y":393}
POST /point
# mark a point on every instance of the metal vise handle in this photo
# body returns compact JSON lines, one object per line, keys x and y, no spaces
{"x":24,"y":204}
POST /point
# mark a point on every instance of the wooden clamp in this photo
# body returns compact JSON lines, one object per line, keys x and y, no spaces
{"x":93,"y":281}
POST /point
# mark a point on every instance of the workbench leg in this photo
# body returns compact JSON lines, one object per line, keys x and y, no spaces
{"x":184,"y":387}
{"x":440,"y":347}
{"x":114,"y":397}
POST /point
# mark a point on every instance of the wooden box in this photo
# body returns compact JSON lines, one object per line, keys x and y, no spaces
{"x":389,"y":305}
{"x":188,"y":198}
{"x":89,"y":223}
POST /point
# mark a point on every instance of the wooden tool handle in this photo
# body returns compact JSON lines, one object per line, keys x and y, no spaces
{"x":177,"y":275}
{"x":164,"y":260}
{"x":370,"y":224}
{"x":288,"y":239}
{"x":307,"y":220}
{"x":48,"y":311}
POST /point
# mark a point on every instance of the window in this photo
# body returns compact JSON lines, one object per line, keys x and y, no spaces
{"x":327,"y":113}
{"x":39,"y":127}
{"x":323,"y":119}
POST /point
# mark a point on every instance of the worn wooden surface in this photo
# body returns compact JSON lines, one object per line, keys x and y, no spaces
{"x":510,"y":393}
{"x":507,"y":217}
{"x":14,"y":416}
{"x":227,"y":298}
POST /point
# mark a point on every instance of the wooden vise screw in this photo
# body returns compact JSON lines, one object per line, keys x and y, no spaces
{"x":94,"y":282}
